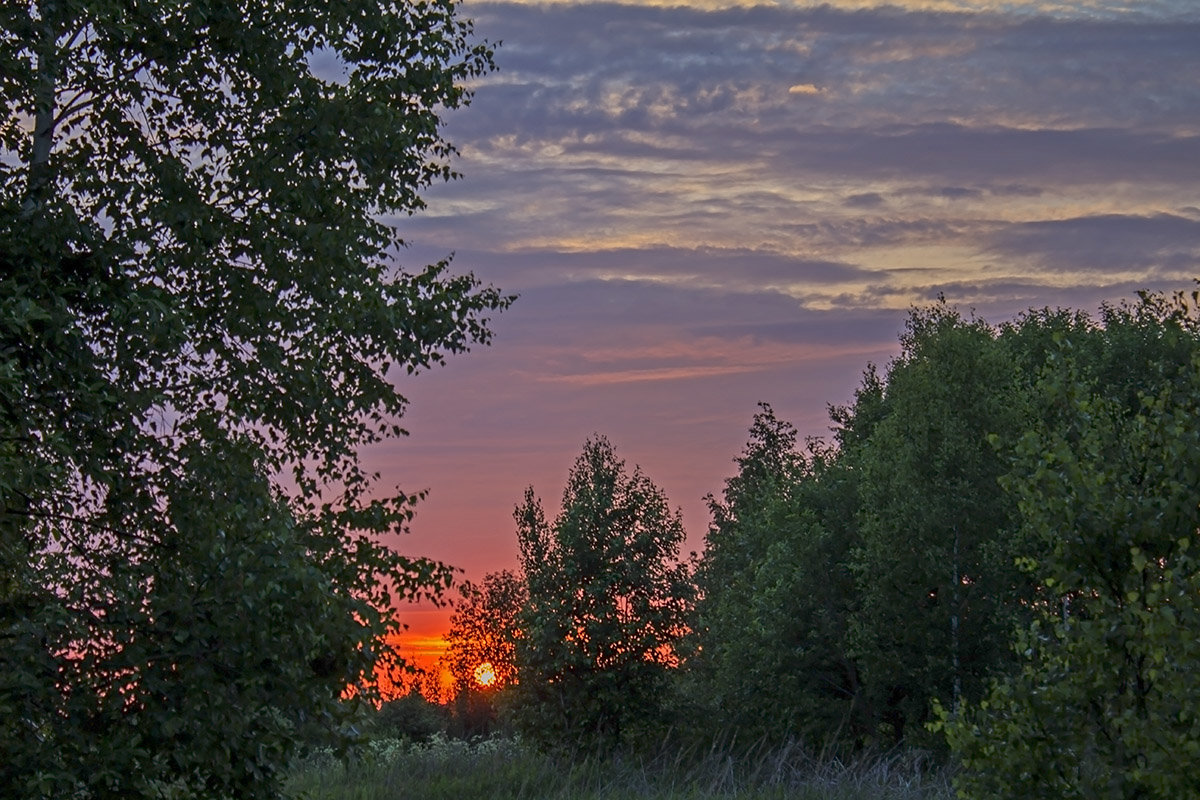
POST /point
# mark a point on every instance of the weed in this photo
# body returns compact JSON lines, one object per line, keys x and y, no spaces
{"x":507,"y":768}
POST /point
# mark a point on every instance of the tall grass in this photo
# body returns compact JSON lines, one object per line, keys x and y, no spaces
{"x":505,"y":768}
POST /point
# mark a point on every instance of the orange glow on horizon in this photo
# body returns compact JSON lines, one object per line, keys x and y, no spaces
{"x":420,"y":668}
{"x":423,"y":651}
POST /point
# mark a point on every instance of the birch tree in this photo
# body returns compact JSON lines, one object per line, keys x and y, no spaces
{"x":203,"y":318}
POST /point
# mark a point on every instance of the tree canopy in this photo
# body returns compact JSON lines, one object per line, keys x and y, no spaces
{"x":774,"y":593}
{"x":1104,"y":703}
{"x":936,"y":585}
{"x":607,"y":601}
{"x":202,"y":321}
{"x":849,"y":589}
{"x":485,"y":629}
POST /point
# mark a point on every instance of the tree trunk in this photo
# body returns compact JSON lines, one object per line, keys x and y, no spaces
{"x":44,"y":105}
{"x":955,"y":592}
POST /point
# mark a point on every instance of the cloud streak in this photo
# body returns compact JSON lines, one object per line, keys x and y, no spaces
{"x":868,"y":140}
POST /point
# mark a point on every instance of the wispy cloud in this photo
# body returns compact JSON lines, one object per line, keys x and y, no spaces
{"x":1107,"y":242}
{"x":650,"y":374}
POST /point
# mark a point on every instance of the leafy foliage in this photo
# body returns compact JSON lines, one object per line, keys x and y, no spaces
{"x":1105,"y":703}
{"x":775,"y":593}
{"x":607,"y":603}
{"x":411,"y":717}
{"x":848,"y":590}
{"x":846,"y":587}
{"x":481,"y":650}
{"x":937,"y":590}
{"x":198,"y":307}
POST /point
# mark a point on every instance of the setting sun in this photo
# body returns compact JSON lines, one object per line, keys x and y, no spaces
{"x":485,"y":674}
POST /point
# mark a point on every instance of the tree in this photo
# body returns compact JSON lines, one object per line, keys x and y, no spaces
{"x":846,"y":592}
{"x":775,"y":592}
{"x":199,"y":316}
{"x":1105,"y":703}
{"x":937,"y":589}
{"x":607,"y":604}
{"x":485,"y":629}
{"x":481,"y":648}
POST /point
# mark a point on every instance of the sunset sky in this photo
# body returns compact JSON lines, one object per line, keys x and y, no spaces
{"x":705,"y":205}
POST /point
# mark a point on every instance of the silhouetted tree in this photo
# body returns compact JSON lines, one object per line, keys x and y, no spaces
{"x":485,"y":629}
{"x":199,"y":309}
{"x":481,"y":649}
{"x":607,"y":603}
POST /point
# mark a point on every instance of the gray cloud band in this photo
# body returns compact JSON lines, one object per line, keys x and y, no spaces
{"x":742,"y":148}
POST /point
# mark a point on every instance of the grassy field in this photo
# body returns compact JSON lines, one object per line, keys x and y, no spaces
{"x":506,"y":769}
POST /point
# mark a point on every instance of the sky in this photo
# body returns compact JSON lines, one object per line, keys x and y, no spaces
{"x":704,"y":205}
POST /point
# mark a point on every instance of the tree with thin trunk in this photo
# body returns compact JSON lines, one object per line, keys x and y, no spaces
{"x":202,"y":320}
{"x":608,"y":599}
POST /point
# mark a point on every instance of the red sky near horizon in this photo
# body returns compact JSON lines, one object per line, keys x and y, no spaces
{"x":707,"y":205}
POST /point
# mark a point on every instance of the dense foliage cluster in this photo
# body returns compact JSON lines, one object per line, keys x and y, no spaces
{"x":1000,"y":546}
{"x":607,"y":598}
{"x":200,"y":310}
{"x":1105,"y":701}
{"x":484,"y":630}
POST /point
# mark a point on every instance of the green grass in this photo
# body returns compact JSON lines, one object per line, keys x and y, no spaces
{"x":507,"y":769}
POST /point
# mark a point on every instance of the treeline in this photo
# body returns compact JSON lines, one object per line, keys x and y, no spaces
{"x":995,"y":552}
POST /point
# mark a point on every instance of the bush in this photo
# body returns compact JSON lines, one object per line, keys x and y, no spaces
{"x":411,"y":717}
